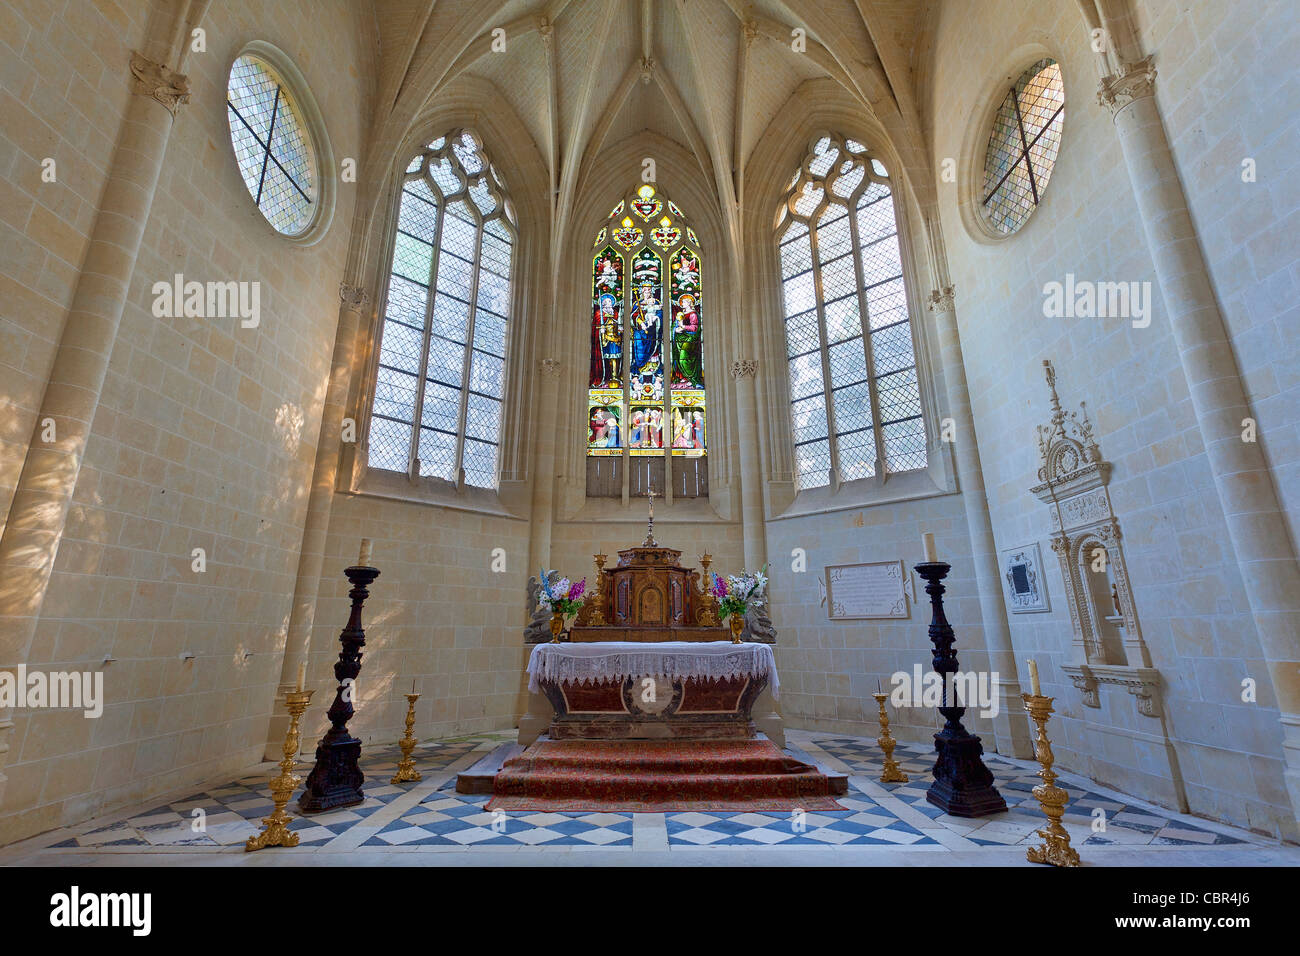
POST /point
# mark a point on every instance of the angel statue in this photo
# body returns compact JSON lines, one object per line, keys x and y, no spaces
{"x":538,"y":629}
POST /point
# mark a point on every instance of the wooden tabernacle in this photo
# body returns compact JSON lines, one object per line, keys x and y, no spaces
{"x":649,"y":597}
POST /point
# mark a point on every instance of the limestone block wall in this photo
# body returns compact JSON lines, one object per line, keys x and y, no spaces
{"x":438,"y":614}
{"x":829,"y":668}
{"x":1225,"y":101}
{"x":45,"y":226}
{"x":205,"y":434}
{"x":1190,"y":598}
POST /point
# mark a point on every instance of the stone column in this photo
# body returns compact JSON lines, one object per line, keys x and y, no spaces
{"x":1257,"y":526}
{"x":311,"y":555}
{"x":543,"y":502}
{"x":43,"y":495}
{"x":751,"y":490}
{"x":1010,"y":726}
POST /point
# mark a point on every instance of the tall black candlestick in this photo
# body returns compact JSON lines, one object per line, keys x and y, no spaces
{"x":336,"y":779}
{"x":962,"y":785}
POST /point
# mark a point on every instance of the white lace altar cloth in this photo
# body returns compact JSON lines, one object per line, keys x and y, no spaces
{"x":604,"y":661}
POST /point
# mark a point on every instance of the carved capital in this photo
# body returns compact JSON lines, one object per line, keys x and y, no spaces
{"x":744,"y":368}
{"x":545,"y":30}
{"x":647,"y":68}
{"x":168,"y":87}
{"x":1132,"y":82}
{"x":751,"y":31}
{"x":353,"y":297}
{"x":549,"y":367}
{"x":941,"y":300}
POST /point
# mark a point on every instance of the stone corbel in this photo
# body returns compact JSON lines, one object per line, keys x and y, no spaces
{"x":1085,"y":682}
{"x":353,"y":297}
{"x":1142,"y":682}
{"x":168,"y":87}
{"x":1131,"y":82}
{"x":942,"y":300}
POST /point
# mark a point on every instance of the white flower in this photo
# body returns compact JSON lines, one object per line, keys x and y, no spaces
{"x":561,"y":588}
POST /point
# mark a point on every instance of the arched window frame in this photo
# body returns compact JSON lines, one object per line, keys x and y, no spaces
{"x":437,"y":489}
{"x":933,"y":473}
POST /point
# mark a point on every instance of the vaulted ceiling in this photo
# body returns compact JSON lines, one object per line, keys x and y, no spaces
{"x":711,"y":75}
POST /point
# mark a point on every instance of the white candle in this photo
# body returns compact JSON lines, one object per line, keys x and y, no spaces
{"x":1036,"y":690}
{"x":363,"y":560}
{"x":302,"y":674}
{"x":412,"y":685}
{"x":927,"y":543}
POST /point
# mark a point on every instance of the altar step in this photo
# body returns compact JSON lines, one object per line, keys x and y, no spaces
{"x":651,"y":775}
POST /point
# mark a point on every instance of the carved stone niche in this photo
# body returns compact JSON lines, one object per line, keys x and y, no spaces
{"x":1086,"y":536}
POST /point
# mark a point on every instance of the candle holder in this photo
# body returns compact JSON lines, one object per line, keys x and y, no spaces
{"x":336,"y":779}
{"x":892,"y":773}
{"x":1056,"y":848}
{"x":275,"y":831}
{"x":962,"y":785}
{"x":406,"y":767}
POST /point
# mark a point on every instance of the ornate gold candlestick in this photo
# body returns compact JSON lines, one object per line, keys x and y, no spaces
{"x":892,"y":772}
{"x":406,"y":767}
{"x":276,"y":831}
{"x":1056,"y":849}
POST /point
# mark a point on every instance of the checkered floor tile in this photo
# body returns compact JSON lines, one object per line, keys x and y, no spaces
{"x":1124,"y":824}
{"x":862,"y":823}
{"x":443,"y":818}
{"x":453,"y":819}
{"x":230,"y":814}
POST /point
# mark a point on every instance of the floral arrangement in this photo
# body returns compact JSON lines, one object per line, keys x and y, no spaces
{"x":737,"y":592}
{"x":562,"y":597}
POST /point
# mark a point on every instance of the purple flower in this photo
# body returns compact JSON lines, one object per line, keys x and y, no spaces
{"x":719,"y":587}
{"x":575,"y":592}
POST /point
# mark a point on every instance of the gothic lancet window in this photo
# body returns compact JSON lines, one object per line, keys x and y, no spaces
{"x":847,"y":327}
{"x":645,"y":399}
{"x":441,"y":375}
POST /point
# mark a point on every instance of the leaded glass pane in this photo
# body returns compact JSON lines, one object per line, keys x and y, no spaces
{"x":796,"y":257}
{"x":467,"y":253}
{"x":271,"y":145}
{"x":801,"y":333}
{"x":813,"y":464}
{"x":809,"y":418}
{"x":805,"y":375}
{"x":446,"y":361}
{"x":848,"y":363}
{"x":843,"y":320}
{"x":826,"y":314}
{"x":1023,"y":145}
{"x":437,"y":454}
{"x":857,"y":454}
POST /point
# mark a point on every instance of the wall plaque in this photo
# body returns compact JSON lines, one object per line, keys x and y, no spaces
{"x":856,"y":592}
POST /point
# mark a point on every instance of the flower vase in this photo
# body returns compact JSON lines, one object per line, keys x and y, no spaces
{"x":737,"y":625}
{"x":557,"y":626}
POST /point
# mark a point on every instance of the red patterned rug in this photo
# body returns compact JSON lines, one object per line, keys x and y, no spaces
{"x":659,"y":776}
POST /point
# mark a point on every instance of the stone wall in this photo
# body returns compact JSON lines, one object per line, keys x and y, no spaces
{"x":205,"y":434}
{"x":1190,"y":598}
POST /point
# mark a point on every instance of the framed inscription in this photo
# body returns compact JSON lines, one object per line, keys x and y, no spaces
{"x":857,"y":592}
{"x":1022,"y":576}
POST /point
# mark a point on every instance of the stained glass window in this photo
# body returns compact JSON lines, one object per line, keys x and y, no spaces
{"x":855,"y":404}
{"x":272,"y":145}
{"x":1022,"y":147}
{"x":441,"y":378}
{"x":646,"y":393}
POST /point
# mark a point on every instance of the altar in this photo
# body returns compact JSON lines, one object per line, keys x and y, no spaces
{"x":647,"y":658}
{"x":642,"y":690}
